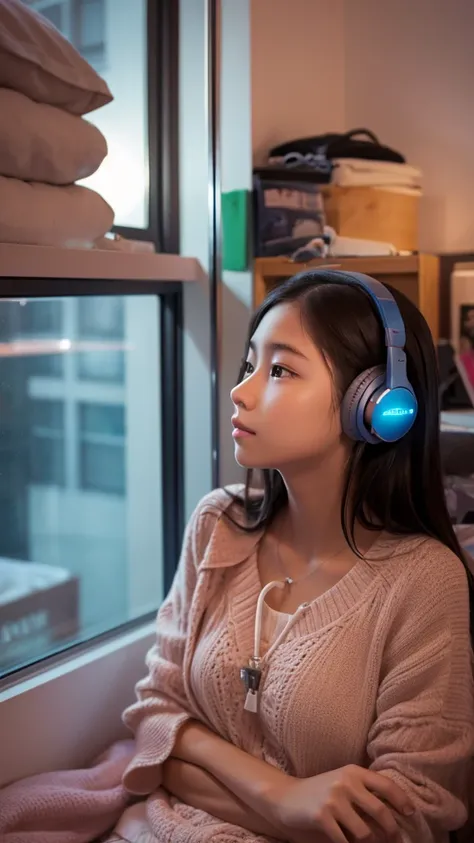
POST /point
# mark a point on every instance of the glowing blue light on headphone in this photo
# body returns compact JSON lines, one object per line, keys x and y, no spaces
{"x":398,"y":411}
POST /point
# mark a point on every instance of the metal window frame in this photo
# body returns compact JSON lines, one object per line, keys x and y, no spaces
{"x":214,"y":59}
{"x":172,"y":438}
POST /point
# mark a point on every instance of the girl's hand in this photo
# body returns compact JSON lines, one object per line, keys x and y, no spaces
{"x":332,"y":803}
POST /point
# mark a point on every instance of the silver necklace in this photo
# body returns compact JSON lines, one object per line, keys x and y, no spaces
{"x":317,"y":567}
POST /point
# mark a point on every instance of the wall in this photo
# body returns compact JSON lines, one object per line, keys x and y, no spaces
{"x":403,"y":69}
{"x":297,"y":70}
{"x":409,"y":70}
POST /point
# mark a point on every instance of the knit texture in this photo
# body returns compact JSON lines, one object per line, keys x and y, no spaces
{"x":71,"y":806}
{"x":375,"y":672}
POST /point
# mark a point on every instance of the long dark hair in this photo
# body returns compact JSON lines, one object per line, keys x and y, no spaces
{"x":397,"y":487}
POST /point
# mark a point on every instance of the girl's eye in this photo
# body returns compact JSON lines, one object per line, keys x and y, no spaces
{"x":248,"y":368}
{"x":280,"y":372}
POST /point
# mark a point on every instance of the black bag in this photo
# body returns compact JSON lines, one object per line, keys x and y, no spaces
{"x":333,"y":145}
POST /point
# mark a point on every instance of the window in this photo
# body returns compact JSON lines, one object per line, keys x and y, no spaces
{"x":90,"y":31}
{"x":102,"y":448}
{"x":46,"y":442}
{"x":43,"y":319}
{"x":82,"y":22}
{"x":89,"y":540}
{"x":101,"y":318}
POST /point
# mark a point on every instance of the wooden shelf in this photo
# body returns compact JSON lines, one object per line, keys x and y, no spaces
{"x":19,"y":261}
{"x":417,"y":276}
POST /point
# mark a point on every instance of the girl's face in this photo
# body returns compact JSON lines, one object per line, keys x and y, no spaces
{"x":286,"y":399}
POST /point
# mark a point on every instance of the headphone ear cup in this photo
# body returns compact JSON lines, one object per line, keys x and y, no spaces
{"x":352,"y":413}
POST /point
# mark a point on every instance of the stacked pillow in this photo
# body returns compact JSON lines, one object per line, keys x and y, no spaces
{"x":45,"y":143}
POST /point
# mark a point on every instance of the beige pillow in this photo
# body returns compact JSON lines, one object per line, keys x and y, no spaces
{"x":42,"y":143}
{"x":38,"y":61}
{"x":46,"y":215}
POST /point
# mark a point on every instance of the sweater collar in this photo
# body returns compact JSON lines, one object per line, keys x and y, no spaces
{"x":229,"y":545}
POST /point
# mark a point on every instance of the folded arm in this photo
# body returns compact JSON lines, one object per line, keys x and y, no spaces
{"x":197,"y":788}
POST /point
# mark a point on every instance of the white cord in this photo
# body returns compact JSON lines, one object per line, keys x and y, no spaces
{"x":259,"y":613}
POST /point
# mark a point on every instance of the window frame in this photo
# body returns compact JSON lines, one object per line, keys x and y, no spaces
{"x":172,"y":431}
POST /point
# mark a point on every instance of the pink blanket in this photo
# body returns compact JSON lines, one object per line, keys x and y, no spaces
{"x":73,"y":806}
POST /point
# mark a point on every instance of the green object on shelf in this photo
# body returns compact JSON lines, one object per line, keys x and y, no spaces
{"x":234,"y":208}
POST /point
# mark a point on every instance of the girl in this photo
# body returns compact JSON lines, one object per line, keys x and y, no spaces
{"x":311,"y":679}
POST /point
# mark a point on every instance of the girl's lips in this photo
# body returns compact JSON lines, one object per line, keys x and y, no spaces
{"x":239,"y":433}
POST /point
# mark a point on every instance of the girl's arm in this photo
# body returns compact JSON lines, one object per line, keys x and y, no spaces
{"x":196,"y":787}
{"x":290,"y":804}
{"x":248,"y":778}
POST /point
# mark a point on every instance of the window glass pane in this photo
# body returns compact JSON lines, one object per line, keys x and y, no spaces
{"x":80,"y":475}
{"x":123,"y":177}
{"x":47,"y":415}
{"x":47,"y":365}
{"x":40,"y":317}
{"x":46,"y":442}
{"x":91,"y":25}
{"x":103,"y":468}
{"x":53,"y":11}
{"x":106,"y":420}
{"x":101,"y":316}
{"x":101,"y":366}
{"x":105,"y":33}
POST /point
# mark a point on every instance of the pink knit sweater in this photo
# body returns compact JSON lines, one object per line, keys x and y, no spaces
{"x":375,"y":672}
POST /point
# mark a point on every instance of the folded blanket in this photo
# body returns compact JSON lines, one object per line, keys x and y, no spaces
{"x":72,"y":806}
{"x":46,"y":215}
{"x":78,"y":806}
{"x":42,"y":143}
{"x":350,"y":172}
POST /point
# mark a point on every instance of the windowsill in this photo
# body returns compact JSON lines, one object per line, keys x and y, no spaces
{"x":19,"y":261}
{"x":61,"y":717}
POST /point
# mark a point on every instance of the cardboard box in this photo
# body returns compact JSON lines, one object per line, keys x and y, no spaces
{"x":372,"y":213}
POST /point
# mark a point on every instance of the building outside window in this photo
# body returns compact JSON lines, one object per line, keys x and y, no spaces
{"x":47,"y":442}
{"x":81,"y":459}
{"x":102,"y":439}
{"x":83,"y":22}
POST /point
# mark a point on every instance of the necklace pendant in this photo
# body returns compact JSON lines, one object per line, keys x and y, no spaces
{"x":251,"y":702}
{"x":251,"y":677}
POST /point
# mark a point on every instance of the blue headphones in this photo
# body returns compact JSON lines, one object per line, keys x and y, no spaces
{"x":380,"y":404}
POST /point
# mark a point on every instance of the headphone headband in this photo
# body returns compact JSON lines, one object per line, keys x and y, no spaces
{"x":385,"y":304}
{"x":380,"y":405}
